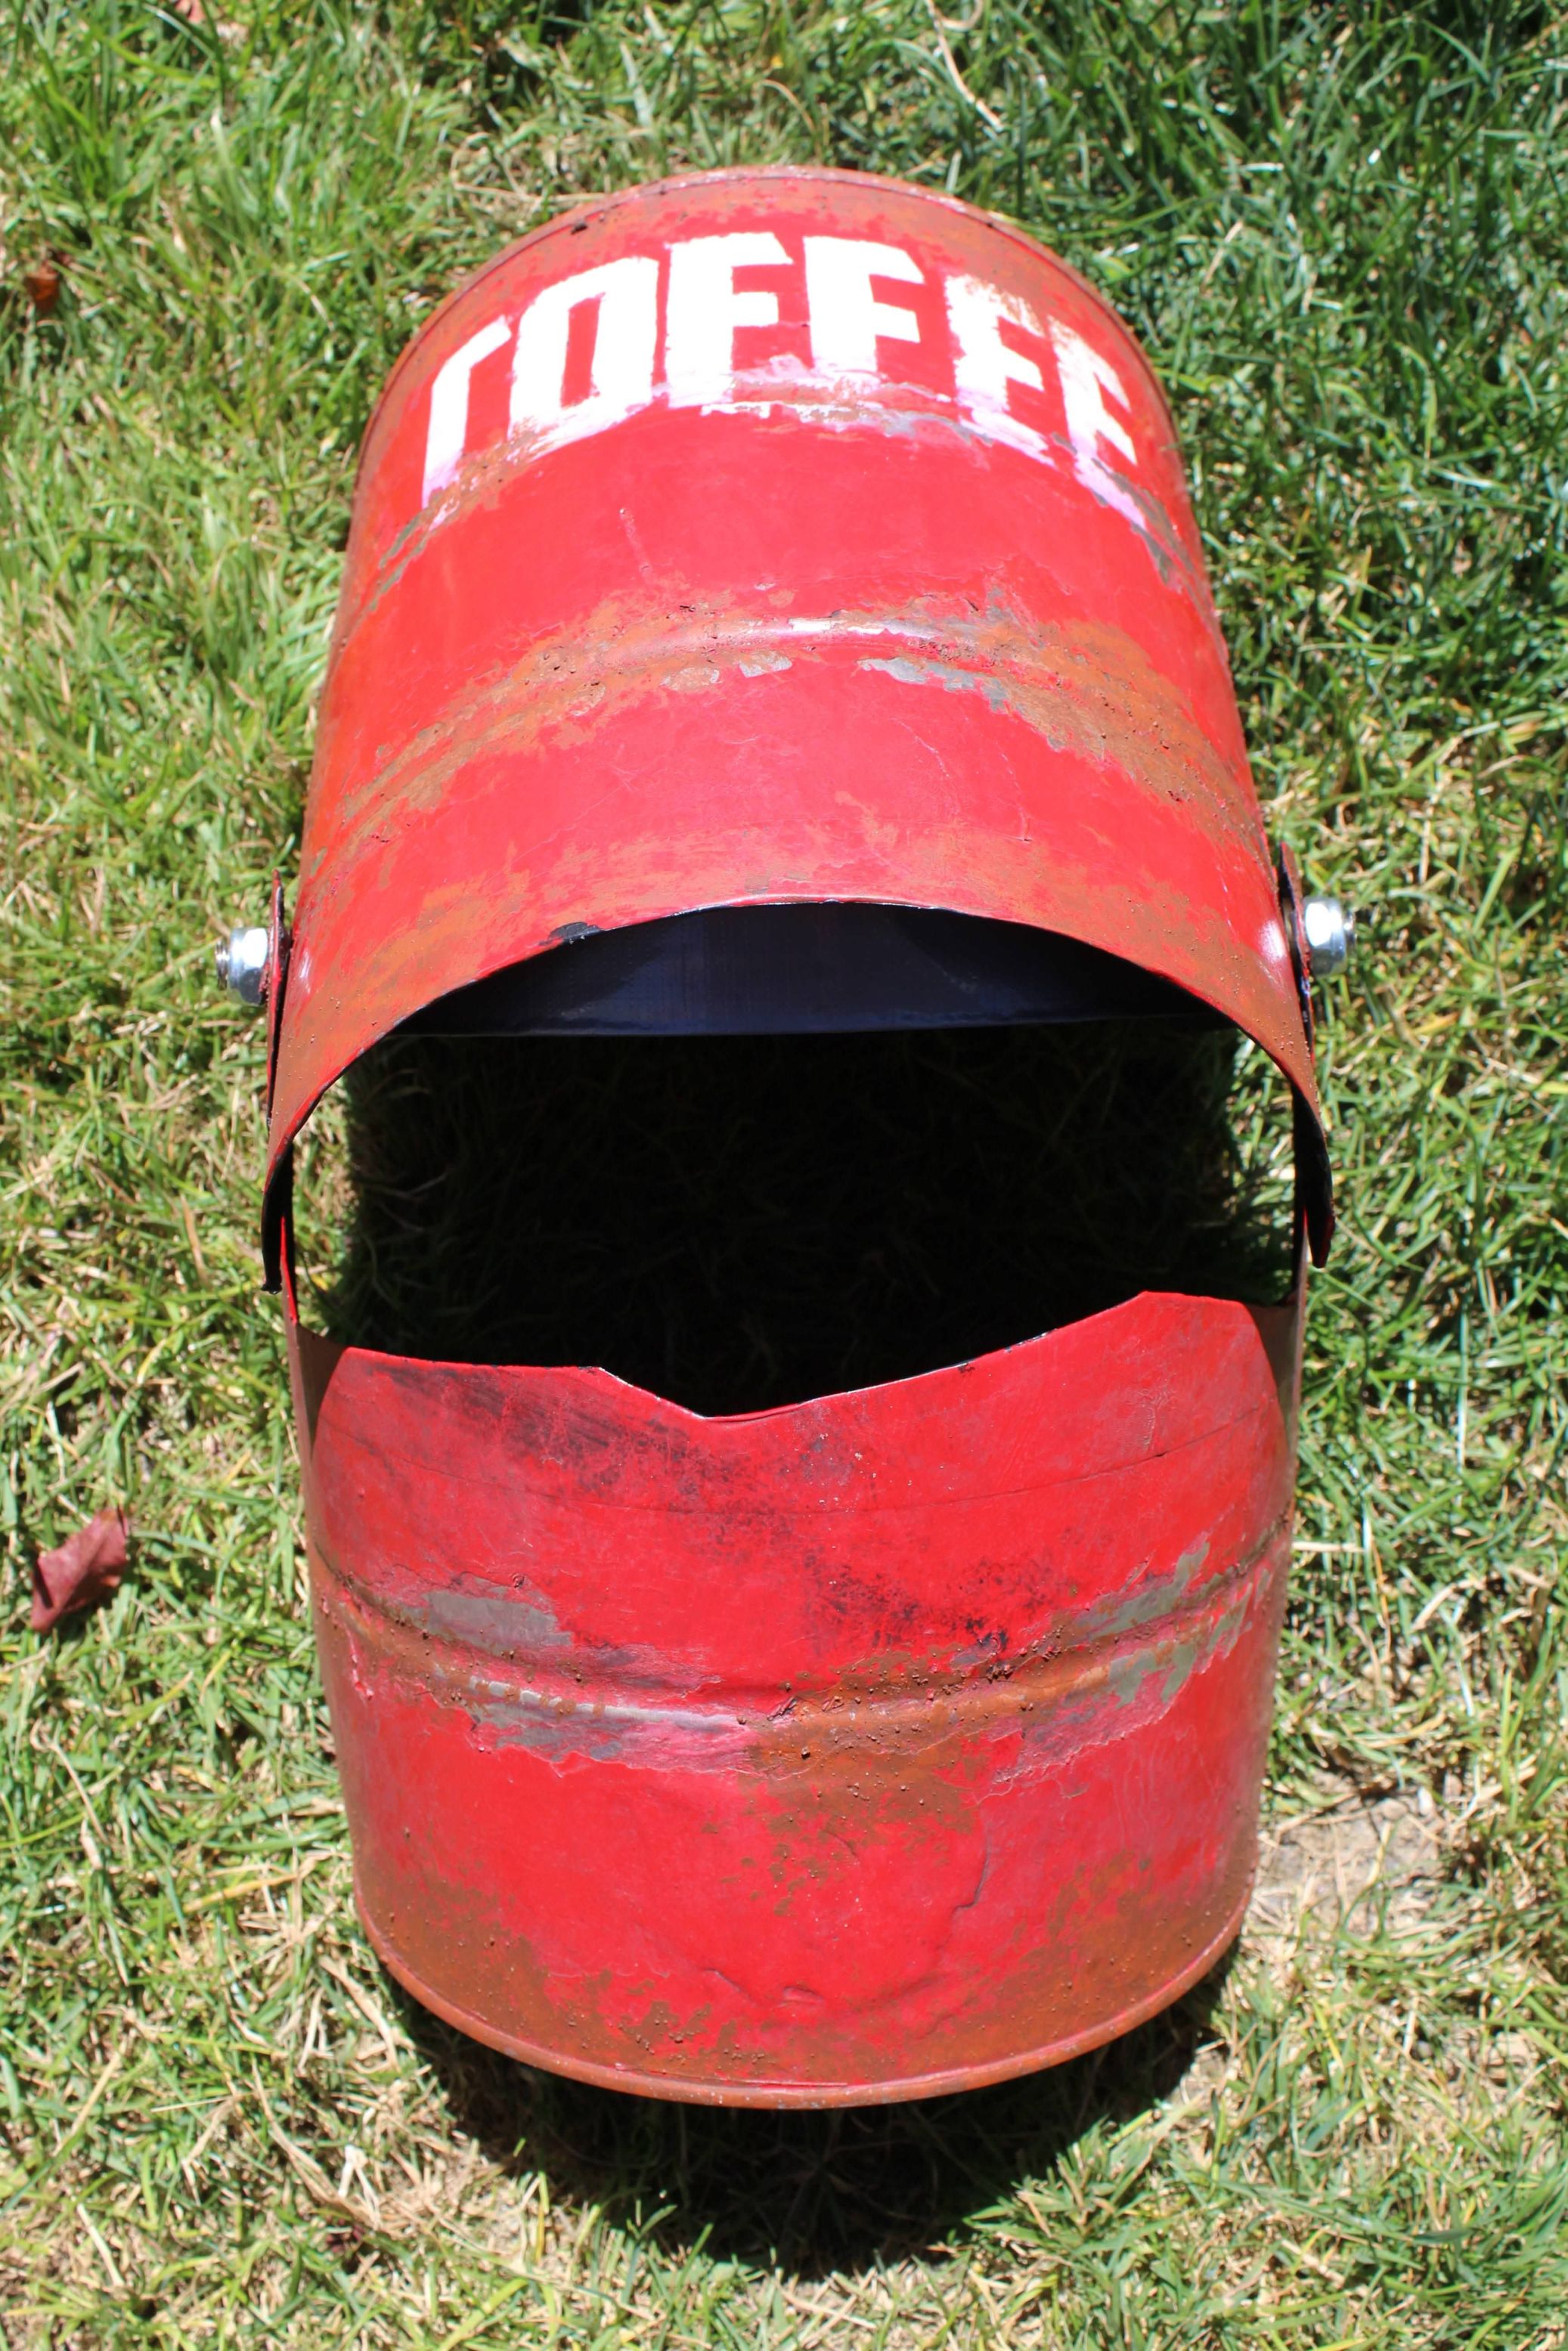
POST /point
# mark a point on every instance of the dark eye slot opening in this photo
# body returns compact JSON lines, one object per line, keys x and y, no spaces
{"x":737,"y":1222}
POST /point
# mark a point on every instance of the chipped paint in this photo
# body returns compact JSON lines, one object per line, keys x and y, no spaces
{"x":1085,"y":686}
{"x":1083,"y":1683}
{"x":508,"y":687}
{"x":858,"y":1855}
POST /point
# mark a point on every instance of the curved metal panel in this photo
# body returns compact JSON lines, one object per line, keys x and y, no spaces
{"x":890,"y":1742}
{"x":759,"y":538}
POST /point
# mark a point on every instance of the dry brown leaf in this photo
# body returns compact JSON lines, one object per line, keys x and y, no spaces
{"x":85,"y":1571}
{"x":42,"y":280}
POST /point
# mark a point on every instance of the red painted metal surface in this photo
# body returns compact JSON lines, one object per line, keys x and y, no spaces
{"x":789,"y":535}
{"x":757,"y":537}
{"x":884,"y":1744}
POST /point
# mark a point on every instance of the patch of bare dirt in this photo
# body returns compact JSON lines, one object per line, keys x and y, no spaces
{"x":1355,"y":1865}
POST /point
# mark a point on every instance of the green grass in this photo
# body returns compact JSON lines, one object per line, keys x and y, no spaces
{"x":1340,"y":232}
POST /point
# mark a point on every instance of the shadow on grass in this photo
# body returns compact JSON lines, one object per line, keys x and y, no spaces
{"x":846,"y":2189}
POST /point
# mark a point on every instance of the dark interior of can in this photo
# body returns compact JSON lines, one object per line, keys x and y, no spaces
{"x":736,"y":1222}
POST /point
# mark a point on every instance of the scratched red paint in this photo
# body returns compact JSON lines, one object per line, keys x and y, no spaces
{"x":896,"y":1741}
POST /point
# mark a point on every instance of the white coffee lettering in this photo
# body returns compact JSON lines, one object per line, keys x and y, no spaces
{"x":705,"y":309}
{"x":848,"y":324}
{"x":620,"y":374}
{"x":984,"y":368}
{"x":443,"y":443}
{"x":846,"y":318}
{"x":1085,"y":380}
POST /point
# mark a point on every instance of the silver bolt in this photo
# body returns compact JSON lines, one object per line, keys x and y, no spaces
{"x":243,"y":959}
{"x":1331,"y":935}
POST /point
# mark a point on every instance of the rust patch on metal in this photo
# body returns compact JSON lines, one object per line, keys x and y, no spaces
{"x":1044,"y":1690}
{"x":1085,"y":686}
{"x":523,"y":1680}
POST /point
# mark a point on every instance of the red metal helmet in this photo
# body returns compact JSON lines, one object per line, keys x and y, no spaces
{"x":783,"y":539}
